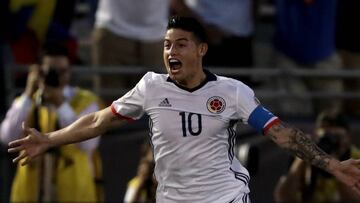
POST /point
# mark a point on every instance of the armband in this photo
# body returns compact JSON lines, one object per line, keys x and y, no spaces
{"x":262,"y":119}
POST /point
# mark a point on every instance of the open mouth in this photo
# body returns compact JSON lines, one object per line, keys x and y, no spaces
{"x":174,"y":64}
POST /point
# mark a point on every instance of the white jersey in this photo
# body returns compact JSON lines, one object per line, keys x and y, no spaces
{"x":193,"y":135}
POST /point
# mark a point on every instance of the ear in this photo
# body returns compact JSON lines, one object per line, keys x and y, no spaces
{"x":203,"y":49}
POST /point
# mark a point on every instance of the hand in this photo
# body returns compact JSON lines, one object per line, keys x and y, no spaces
{"x":29,"y":147}
{"x":32,"y":80}
{"x":348,"y":172}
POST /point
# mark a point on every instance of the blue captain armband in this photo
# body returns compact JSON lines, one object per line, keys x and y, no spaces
{"x":261,"y":117}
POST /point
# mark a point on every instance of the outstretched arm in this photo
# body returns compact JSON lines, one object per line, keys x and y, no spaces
{"x":302,"y":146}
{"x":86,"y":127}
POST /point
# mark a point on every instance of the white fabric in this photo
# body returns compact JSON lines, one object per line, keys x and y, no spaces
{"x":137,"y":19}
{"x":193,"y":147}
{"x":233,"y":16}
{"x":20,"y":108}
{"x":11,"y":125}
{"x":66,"y":114}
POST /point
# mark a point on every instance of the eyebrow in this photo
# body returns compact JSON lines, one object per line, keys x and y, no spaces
{"x":180,"y":39}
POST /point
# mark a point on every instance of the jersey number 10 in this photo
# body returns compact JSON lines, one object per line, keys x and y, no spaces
{"x":187,"y":123}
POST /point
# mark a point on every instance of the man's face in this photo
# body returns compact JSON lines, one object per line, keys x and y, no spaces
{"x":55,"y":75}
{"x":59,"y":63}
{"x":183,"y":56}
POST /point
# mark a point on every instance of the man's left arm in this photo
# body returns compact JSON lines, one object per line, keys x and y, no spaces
{"x":295,"y":141}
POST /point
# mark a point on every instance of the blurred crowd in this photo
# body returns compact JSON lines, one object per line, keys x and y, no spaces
{"x":306,"y":34}
{"x":320,"y":35}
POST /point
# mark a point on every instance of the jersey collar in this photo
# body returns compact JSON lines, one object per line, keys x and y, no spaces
{"x":209,"y":77}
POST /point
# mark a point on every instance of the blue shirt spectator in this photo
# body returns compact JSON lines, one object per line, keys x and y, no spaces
{"x":305,"y":30}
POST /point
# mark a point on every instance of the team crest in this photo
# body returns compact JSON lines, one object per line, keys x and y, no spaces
{"x":216,"y":104}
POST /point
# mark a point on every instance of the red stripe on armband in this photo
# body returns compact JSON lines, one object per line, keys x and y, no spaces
{"x":270,"y":124}
{"x":113,"y":110}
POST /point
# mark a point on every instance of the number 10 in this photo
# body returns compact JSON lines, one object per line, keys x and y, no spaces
{"x":189,"y":126}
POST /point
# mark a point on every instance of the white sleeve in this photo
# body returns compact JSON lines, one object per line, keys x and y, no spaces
{"x":251,"y":112}
{"x":11,"y":125}
{"x":131,"y":105}
{"x":246,"y":102}
{"x":67,"y":116}
{"x":129,"y":194}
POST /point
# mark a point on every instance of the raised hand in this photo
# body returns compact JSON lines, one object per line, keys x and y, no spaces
{"x":32,"y":83}
{"x":30,"y":146}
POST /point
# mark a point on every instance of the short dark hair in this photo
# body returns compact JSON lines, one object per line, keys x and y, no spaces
{"x":188,"y":24}
{"x":53,"y":48}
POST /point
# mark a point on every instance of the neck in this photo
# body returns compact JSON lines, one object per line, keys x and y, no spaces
{"x":194,"y":81}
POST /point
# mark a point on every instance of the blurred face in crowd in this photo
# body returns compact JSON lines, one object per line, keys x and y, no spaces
{"x":183,"y":57}
{"x":55,"y":75}
{"x":61,"y":65}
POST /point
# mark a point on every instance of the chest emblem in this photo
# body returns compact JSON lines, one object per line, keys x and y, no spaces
{"x":216,"y":104}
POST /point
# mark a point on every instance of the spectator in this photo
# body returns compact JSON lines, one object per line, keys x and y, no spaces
{"x":49,"y":103}
{"x":305,"y":39}
{"x":128,"y":33}
{"x":230,"y":28}
{"x":304,"y":183}
{"x":348,"y":44}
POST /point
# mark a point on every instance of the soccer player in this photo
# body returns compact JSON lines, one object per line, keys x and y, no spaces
{"x":193,"y":115}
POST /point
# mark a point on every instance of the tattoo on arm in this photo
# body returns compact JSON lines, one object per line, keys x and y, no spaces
{"x":300,"y":145}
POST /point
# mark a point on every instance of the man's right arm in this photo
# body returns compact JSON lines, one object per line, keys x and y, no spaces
{"x":86,"y":127}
